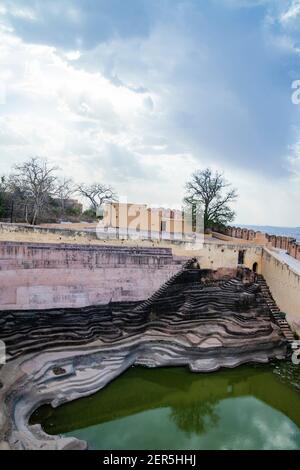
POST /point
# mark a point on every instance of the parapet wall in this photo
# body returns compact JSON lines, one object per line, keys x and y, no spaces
{"x":293,"y":250}
{"x":52,"y":229}
{"x":288,"y":244}
{"x":247,"y":235}
{"x":284,"y":283}
{"x":41,"y":276}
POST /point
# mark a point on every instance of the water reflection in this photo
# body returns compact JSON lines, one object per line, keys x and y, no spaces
{"x":196,"y":417}
{"x":248,"y":407}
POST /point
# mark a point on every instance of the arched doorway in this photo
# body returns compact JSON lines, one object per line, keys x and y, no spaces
{"x":241,"y":258}
{"x":254,"y":267}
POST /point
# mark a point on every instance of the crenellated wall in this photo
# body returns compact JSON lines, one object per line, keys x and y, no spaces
{"x":293,"y":250}
{"x":42,"y":276}
{"x":247,"y":235}
{"x":288,"y":244}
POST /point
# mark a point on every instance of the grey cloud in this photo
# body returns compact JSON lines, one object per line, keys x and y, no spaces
{"x":69,"y":23}
{"x":114,"y":79}
{"x":121,"y":164}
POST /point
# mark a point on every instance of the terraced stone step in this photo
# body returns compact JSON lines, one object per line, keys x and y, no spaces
{"x":192,"y":304}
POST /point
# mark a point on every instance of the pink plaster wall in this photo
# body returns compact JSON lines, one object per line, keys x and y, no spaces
{"x":41,"y":276}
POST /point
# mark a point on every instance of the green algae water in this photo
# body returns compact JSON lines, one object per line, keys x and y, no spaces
{"x":250,"y":407}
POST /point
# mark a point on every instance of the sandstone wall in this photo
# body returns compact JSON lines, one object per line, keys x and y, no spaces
{"x":218,"y":255}
{"x":44,"y":276}
{"x":284,"y":283}
{"x":294,"y":250}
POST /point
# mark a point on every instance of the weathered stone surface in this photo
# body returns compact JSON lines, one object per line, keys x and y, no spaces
{"x":200,"y":318}
{"x":43,"y":276}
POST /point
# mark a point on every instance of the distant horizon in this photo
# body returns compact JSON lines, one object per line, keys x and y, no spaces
{"x":273,"y":230}
{"x":266,"y":225}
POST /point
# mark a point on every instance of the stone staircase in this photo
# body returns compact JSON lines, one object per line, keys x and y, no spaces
{"x":163,"y":289}
{"x":278,"y":316}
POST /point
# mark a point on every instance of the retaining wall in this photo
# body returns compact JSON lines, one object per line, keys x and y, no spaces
{"x":284,"y":283}
{"x":41,"y":276}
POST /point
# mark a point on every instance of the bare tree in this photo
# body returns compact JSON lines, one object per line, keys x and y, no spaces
{"x":3,"y":195}
{"x":211,"y":192}
{"x":64,"y":190}
{"x":3,"y":183}
{"x":34,"y":181}
{"x":97,"y":194}
{"x":19,"y":200}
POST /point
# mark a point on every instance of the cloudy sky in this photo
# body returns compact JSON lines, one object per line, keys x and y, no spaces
{"x":141,"y":93}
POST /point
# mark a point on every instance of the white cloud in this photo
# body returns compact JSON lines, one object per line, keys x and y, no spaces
{"x":2,"y":93}
{"x":126,"y":112}
{"x":72,"y":55}
{"x":283,"y":43}
{"x":294,"y":159}
{"x":3,"y":10}
{"x":77,"y":118}
{"x":291,"y":13}
{"x":25,"y":13}
{"x":265,"y":201}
